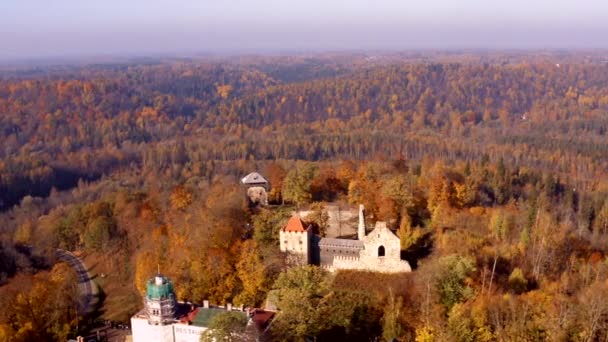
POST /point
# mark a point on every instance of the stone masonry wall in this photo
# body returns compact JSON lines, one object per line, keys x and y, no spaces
{"x":296,"y":244}
{"x":368,"y":258}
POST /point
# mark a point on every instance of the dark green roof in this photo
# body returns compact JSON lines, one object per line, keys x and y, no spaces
{"x":162,"y":291}
{"x":204,"y":316}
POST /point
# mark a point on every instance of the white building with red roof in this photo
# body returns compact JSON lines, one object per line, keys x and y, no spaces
{"x":295,"y":239}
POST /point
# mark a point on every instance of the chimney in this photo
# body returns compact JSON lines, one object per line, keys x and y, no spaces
{"x":229,"y":307}
{"x":206,"y":304}
{"x":361,"y":230}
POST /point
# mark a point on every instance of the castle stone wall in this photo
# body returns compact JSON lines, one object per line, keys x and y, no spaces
{"x":378,"y":251}
{"x":297,"y":244}
{"x":379,"y":241}
{"x":257,"y":195}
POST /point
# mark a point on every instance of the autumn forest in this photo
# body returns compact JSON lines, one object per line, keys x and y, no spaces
{"x":490,"y":167}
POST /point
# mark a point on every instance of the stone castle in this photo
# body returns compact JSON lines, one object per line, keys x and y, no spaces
{"x":378,"y":251}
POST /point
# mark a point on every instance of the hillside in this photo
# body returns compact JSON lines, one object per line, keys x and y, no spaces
{"x":491,"y":169}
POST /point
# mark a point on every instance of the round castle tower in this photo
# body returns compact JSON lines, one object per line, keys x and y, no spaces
{"x":160,"y":301}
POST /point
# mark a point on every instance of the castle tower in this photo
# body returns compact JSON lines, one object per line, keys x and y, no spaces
{"x":361,"y":230}
{"x":295,"y":240}
{"x":160,"y":301}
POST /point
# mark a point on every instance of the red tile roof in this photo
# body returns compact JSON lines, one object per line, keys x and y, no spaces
{"x":261,"y":318}
{"x":295,"y":225}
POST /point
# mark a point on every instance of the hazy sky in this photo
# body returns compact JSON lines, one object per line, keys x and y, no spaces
{"x":38,"y":28}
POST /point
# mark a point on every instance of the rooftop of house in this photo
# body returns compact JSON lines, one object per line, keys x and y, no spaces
{"x":201,"y":316}
{"x":261,"y":318}
{"x":295,"y":225}
{"x":254,"y":178}
{"x":341,"y":243}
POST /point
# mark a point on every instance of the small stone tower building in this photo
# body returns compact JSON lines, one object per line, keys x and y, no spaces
{"x":255,"y":179}
{"x":295,"y":240}
{"x":160,"y":301}
{"x":257,"y":188}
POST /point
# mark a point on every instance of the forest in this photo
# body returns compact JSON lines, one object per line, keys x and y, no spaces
{"x":491,"y":169}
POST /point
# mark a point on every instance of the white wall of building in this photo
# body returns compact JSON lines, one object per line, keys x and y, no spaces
{"x":144,"y":332}
{"x":187,"y":333}
{"x":296,"y":243}
{"x":177,"y":332}
{"x":368,"y":259}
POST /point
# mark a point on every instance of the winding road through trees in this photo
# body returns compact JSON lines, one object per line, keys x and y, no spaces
{"x":85,"y":283}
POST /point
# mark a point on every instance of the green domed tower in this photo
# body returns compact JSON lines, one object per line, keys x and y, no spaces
{"x":160,"y":301}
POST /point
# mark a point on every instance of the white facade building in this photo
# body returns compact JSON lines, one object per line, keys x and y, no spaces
{"x":177,"y":331}
{"x":296,"y":240}
{"x":163,"y":319}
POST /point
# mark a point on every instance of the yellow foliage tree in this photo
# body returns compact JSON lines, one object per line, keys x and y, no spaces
{"x":47,"y":310}
{"x":425,"y":334}
{"x":180,"y":197}
{"x":407,"y":234}
{"x":146,"y":265}
{"x":23,"y":234}
{"x":252,"y":273}
{"x":224,"y":90}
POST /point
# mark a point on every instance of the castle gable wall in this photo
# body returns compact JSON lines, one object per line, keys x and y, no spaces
{"x":380,"y":252}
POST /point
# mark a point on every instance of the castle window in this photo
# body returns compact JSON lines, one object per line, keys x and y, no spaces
{"x":381,"y":251}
